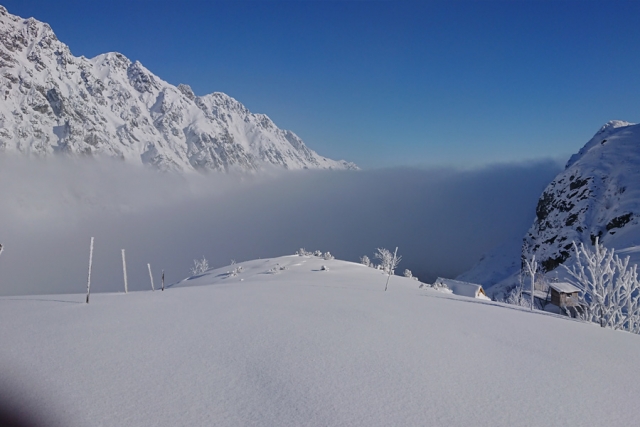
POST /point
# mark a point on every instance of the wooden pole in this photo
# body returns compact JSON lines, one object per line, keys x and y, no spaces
{"x":150,"y":276}
{"x":163,"y":280}
{"x":124,"y":272}
{"x":90,"y":263}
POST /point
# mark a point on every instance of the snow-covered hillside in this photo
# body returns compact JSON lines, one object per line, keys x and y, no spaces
{"x":285,"y":343}
{"x":54,"y":102}
{"x":597,"y":195}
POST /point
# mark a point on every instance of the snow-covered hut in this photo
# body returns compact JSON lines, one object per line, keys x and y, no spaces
{"x":564,"y":294}
{"x":464,"y":289}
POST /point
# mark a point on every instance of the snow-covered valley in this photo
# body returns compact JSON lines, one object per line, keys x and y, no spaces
{"x":303,"y":346}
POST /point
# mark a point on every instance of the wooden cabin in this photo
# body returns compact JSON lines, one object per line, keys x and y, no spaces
{"x":564,"y":294}
{"x":464,"y":289}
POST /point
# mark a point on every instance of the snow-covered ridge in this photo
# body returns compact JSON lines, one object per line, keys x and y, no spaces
{"x":109,"y":105}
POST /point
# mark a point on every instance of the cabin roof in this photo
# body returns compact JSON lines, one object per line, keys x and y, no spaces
{"x":564,"y":287}
{"x":465,"y":289}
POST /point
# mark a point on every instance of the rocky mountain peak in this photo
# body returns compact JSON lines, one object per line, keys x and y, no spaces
{"x":54,"y":102}
{"x":597,"y":195}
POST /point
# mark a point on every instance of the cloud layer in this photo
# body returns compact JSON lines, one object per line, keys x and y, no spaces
{"x":441,"y":220}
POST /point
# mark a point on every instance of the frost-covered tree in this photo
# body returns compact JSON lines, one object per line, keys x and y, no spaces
{"x":327,"y":256}
{"x":199,"y":266}
{"x":365,"y":261}
{"x":388,"y":260}
{"x":610,"y":291}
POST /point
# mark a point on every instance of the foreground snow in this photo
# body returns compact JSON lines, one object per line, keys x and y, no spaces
{"x":300,"y":346}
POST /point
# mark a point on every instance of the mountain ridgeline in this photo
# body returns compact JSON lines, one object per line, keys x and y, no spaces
{"x":54,"y":102}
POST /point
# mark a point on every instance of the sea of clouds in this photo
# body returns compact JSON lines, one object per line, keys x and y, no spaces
{"x":442,"y":220}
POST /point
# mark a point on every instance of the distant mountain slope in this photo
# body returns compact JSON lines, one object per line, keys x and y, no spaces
{"x":597,"y":195}
{"x":53,"y":102}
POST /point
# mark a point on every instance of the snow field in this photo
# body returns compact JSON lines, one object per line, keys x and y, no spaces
{"x":304,"y":347}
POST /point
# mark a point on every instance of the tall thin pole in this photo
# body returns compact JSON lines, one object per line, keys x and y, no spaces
{"x":124,"y":272}
{"x":533,"y":268}
{"x":90,"y":263}
{"x":151,"y":277}
{"x":393,"y":263}
{"x":163,"y":280}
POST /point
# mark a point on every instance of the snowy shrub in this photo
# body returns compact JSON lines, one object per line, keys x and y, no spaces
{"x":516,"y":297}
{"x":199,"y":266}
{"x":318,"y":254}
{"x":235,"y":271}
{"x":365,"y":261}
{"x":327,"y":256}
{"x":407,"y":273}
{"x":440,"y":286}
{"x":303,"y":252}
{"x":610,"y":291}
{"x":277,"y":269}
{"x":324,"y":268}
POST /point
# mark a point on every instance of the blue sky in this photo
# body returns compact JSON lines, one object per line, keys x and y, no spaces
{"x":387,"y":83}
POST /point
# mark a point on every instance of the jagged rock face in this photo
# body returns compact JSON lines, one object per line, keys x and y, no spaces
{"x":597,"y":195}
{"x":55,"y":102}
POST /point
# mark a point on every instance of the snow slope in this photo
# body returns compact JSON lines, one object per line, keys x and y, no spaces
{"x":54,"y":102}
{"x":304,"y":347}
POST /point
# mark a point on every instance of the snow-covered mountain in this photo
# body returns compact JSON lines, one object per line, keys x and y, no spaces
{"x":54,"y":102}
{"x":597,"y":195}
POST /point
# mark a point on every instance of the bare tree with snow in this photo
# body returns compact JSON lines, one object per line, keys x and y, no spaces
{"x":388,"y":262}
{"x":365,"y":261}
{"x":610,"y":291}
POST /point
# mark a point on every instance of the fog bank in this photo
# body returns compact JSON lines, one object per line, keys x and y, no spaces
{"x":441,"y":220}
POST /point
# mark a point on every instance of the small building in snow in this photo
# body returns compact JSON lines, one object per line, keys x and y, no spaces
{"x":464,"y":289}
{"x":564,"y":294}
